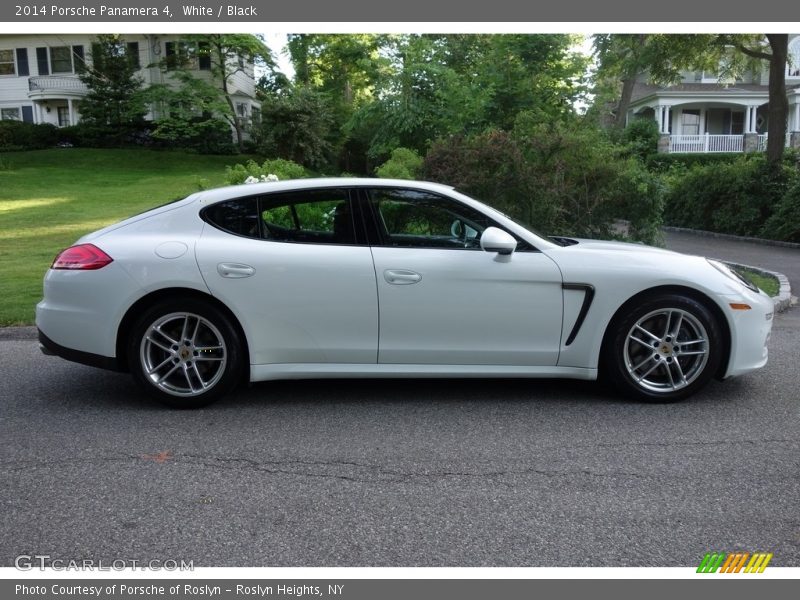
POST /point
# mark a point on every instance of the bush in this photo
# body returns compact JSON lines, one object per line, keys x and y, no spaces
{"x":661,"y":163}
{"x":559,"y":179}
{"x":402,"y":164}
{"x":201,"y":134}
{"x":641,"y":138}
{"x":283,"y":169}
{"x":736,"y":198}
{"x":784,"y":224}
{"x":18,"y":135}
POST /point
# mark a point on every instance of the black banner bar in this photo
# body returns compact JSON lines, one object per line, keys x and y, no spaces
{"x":361,"y":11}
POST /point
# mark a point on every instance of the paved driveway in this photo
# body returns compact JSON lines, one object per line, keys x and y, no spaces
{"x":773,"y":258}
{"x":398,"y":473}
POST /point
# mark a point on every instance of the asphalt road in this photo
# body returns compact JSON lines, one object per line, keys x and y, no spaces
{"x":398,"y":473}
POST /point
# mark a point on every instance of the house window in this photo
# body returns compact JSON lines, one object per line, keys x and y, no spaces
{"x":793,"y":66}
{"x":7,"y":66}
{"x":61,"y":59}
{"x":690,"y":122}
{"x":185,"y":55}
{"x":241,"y":109}
{"x":9,"y":114}
{"x":180,"y":56}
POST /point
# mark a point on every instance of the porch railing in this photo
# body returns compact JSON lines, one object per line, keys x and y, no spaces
{"x":762,"y":141}
{"x":55,"y":82}
{"x":706,"y":143}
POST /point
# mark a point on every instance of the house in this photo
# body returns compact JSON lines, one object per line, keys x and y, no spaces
{"x":700,"y":114}
{"x":39,"y":81}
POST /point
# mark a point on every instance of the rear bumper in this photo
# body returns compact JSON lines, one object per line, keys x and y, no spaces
{"x":49,"y":347}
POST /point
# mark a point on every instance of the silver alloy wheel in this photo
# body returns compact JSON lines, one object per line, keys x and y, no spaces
{"x":666,"y":350}
{"x":183,"y":354}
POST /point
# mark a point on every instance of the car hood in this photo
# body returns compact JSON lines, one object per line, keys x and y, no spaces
{"x":589,"y":244}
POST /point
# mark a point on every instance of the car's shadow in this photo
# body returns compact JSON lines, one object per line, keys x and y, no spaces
{"x":89,"y":388}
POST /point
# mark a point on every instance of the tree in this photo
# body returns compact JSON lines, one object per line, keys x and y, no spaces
{"x":296,"y":125}
{"x":438,"y":85}
{"x":222,"y":56}
{"x":778,"y":103}
{"x":115,"y":102}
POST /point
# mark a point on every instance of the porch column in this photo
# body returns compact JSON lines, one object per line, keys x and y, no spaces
{"x":659,"y":112}
{"x":797,"y":117}
{"x":747,"y":119}
{"x":71,"y":112}
{"x":702,"y":128}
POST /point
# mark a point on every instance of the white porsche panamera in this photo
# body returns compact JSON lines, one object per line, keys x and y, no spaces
{"x":330,"y":278}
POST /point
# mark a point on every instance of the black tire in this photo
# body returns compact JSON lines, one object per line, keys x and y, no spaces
{"x":185,"y":353}
{"x":662,"y":349}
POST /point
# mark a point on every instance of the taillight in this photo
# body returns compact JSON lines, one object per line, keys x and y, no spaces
{"x":83,"y":257}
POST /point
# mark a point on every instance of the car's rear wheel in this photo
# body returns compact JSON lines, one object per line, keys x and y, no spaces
{"x":185,"y":353}
{"x":664,"y":349}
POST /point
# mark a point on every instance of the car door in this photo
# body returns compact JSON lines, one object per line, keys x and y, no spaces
{"x":297,"y":273}
{"x":443,"y":300}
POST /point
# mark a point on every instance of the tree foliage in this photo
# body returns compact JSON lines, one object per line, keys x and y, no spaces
{"x":115,"y":103}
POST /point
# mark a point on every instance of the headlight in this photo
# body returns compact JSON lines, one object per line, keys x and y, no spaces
{"x":730,"y":273}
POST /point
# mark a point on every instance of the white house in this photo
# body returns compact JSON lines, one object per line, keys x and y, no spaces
{"x":39,"y":81}
{"x":702,"y":115}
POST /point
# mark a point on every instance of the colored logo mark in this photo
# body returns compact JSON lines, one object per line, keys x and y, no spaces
{"x":734,"y":562}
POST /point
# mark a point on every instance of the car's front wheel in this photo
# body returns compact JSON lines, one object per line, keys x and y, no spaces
{"x":185,"y":353}
{"x":664,"y":349}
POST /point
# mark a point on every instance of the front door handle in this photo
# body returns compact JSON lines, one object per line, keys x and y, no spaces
{"x":401,"y":276}
{"x":235,"y":270}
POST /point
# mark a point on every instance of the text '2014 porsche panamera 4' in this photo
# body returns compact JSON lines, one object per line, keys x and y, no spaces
{"x":329,"y":278}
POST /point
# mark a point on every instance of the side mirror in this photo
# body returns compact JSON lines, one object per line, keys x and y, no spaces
{"x":497,"y":240}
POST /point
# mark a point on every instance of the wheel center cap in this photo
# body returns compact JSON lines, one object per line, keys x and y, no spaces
{"x":184,"y":353}
{"x":666,"y":349}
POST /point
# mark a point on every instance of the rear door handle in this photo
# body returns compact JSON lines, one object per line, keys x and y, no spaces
{"x":401,"y":276}
{"x":235,"y":270}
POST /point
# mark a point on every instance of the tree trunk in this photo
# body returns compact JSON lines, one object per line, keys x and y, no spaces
{"x":778,"y":103}
{"x":631,"y":74}
{"x":624,"y":102}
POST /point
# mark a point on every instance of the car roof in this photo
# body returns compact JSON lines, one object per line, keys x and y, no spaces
{"x":248,"y":189}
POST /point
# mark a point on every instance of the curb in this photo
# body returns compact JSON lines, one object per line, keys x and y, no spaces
{"x":784,"y":298}
{"x":728,"y":236}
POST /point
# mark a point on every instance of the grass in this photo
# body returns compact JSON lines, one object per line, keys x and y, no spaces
{"x":49,"y":198}
{"x":769,"y":284}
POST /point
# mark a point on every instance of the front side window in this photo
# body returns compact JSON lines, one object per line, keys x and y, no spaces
{"x":61,"y":59}
{"x":417,"y":219}
{"x":7,"y":66}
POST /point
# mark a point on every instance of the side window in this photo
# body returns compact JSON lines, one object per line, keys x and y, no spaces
{"x":315,"y":217}
{"x":415,"y":219}
{"x":238,"y":216}
{"x":310,"y":217}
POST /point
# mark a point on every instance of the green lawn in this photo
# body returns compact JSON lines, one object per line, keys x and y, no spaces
{"x":49,"y":198}
{"x":769,"y":284}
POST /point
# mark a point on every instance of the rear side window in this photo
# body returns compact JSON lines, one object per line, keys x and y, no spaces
{"x":238,"y":216}
{"x":308,"y":216}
